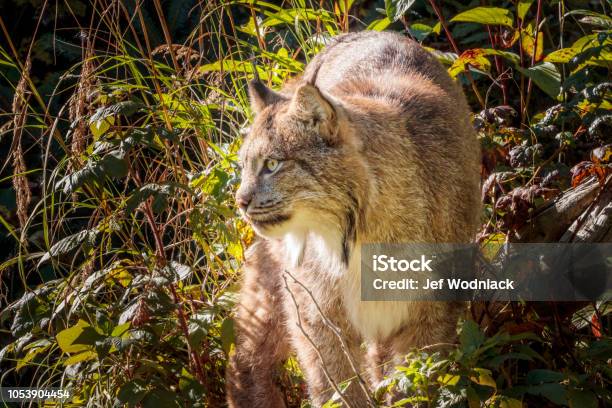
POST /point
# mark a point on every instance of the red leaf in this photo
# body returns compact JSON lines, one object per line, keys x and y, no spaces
{"x":595,"y":325}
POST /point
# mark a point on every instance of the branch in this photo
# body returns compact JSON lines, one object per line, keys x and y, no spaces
{"x":551,"y":221}
{"x":336,"y":330}
{"x":456,"y":49}
{"x":314,"y":346}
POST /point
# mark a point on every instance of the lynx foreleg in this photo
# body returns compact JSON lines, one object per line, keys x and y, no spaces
{"x":261,"y":337}
{"x":327,"y":348}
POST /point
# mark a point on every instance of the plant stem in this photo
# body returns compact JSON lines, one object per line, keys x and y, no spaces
{"x":533,"y":55}
{"x":468,"y":74}
{"x":162,"y":261}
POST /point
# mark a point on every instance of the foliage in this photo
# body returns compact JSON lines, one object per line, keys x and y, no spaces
{"x":121,"y":273}
{"x":480,"y":370}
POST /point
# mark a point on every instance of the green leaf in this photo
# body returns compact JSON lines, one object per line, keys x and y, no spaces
{"x":80,"y":337}
{"x":471,"y":337}
{"x":420,"y":31}
{"x":228,"y":336}
{"x":592,"y":18}
{"x":510,"y":403}
{"x":291,"y":16}
{"x":68,"y":244}
{"x":199,"y":323}
{"x":498,"y":360}
{"x":159,"y":191}
{"x":395,"y":9}
{"x":598,"y":350}
{"x":189,"y":384}
{"x":160,"y":398}
{"x":121,"y":329}
{"x":213,"y":183}
{"x":582,"y":399}
{"x":446,"y":58}
{"x":112,"y":164}
{"x":437,"y":28}
{"x":176,"y":271}
{"x":6,"y":350}
{"x":472,"y":397}
{"x":523,"y":7}
{"x":379,"y":24}
{"x":31,"y":355}
{"x":29,"y":310}
{"x":545,"y":76}
{"x":131,"y":393}
{"x":448,"y":379}
{"x":486,"y":15}
{"x":544,"y":376}
{"x":554,"y":392}
{"x":127,"y":108}
{"x":483,"y":377}
{"x":528,"y":42}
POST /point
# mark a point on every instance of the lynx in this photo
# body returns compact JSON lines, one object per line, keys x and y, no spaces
{"x":371,"y":144}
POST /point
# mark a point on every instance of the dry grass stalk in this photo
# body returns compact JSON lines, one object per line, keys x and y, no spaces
{"x":79,"y":106}
{"x":20,"y":111}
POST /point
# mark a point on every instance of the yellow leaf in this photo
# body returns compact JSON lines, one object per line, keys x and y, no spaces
{"x":528,"y":43}
{"x":234,"y":249}
{"x":120,"y":330}
{"x":475,"y":58}
{"x":523,"y":8}
{"x":449,"y":379}
{"x":515,"y":36}
{"x":483,"y":377}
{"x":30,"y":356}
{"x":100,"y":126}
{"x":562,"y":55}
{"x":491,"y":246}
{"x":380,"y":24}
{"x":122,"y":276}
{"x":77,"y":358}
{"x":80,"y":337}
{"x":602,"y":155}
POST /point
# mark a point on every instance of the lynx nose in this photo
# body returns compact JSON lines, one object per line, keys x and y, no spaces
{"x":243,"y":199}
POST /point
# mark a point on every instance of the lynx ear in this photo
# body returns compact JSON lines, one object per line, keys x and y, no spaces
{"x":308,"y":104}
{"x":261,"y":96}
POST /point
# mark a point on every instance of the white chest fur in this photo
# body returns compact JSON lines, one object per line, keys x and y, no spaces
{"x":373,"y":320}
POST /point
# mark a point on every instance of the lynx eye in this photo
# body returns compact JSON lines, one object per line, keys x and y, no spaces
{"x":271,"y":165}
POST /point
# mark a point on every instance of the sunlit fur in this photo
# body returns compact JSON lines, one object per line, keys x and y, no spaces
{"x":376,"y":146}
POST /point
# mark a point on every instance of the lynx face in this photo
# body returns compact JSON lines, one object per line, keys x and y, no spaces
{"x":288,"y":161}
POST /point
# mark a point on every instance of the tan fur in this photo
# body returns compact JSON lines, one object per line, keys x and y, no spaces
{"x":376,"y":146}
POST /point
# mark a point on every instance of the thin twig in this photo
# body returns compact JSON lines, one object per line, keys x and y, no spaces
{"x":336,"y":330}
{"x":161,"y":258}
{"x":314,"y":346}
{"x":533,"y":54}
{"x":456,"y":49}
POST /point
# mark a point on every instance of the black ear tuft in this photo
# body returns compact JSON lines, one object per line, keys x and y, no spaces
{"x":261,"y":96}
